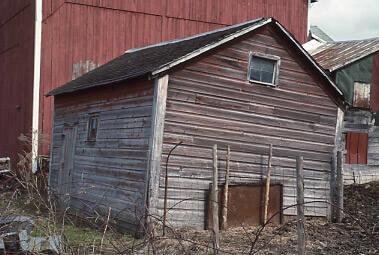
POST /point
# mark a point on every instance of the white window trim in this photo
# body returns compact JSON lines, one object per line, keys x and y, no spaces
{"x":276,"y":68}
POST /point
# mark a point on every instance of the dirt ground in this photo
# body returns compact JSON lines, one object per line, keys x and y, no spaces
{"x":357,"y":234}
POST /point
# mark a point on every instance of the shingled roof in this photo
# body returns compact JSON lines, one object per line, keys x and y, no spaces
{"x":336,"y":55}
{"x":152,"y":60}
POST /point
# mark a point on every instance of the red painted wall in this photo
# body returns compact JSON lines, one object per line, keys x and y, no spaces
{"x":91,"y":32}
{"x":80,"y":34}
{"x":16,"y":73}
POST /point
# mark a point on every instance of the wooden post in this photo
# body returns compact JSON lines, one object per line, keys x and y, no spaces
{"x":214,"y":197}
{"x":300,"y":206}
{"x":339,"y":193}
{"x":224,"y":223}
{"x":268,"y":180}
{"x":333,"y":184}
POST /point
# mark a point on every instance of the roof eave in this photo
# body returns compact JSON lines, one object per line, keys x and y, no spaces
{"x":340,"y":66}
{"x":310,"y":58}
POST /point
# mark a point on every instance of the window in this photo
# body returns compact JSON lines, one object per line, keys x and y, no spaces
{"x":93,"y":123}
{"x":361,"y":95}
{"x":356,"y":148}
{"x":264,"y":69}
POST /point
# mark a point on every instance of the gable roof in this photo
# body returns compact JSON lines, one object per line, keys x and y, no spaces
{"x":153,"y":60}
{"x":333,"y":56}
{"x":318,"y":34}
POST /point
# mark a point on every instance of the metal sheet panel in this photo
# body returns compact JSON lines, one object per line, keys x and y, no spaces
{"x":375,"y":85}
{"x":333,"y":56}
{"x":246,"y":205}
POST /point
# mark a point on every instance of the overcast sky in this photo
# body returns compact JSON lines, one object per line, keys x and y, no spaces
{"x":347,"y":19}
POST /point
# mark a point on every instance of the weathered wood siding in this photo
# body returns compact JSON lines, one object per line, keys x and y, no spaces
{"x":210,"y":101}
{"x":111,"y":171}
{"x":362,"y":121}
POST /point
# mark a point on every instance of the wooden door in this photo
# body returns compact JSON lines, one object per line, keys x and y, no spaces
{"x":65,"y":180}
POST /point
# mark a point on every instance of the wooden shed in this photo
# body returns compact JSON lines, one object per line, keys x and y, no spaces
{"x":247,"y":86}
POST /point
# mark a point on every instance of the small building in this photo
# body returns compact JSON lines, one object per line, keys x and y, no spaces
{"x":245,"y":86}
{"x":354,"y":66}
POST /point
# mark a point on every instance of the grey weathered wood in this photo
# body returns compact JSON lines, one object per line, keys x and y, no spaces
{"x":333,"y":184}
{"x":111,"y":170}
{"x":156,"y":141}
{"x":339,"y":193}
{"x":300,"y":206}
{"x":224,"y":223}
{"x":214,"y":199}
{"x":267,"y":190}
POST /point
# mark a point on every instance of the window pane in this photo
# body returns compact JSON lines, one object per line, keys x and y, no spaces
{"x":255,"y":75}
{"x":262,"y":69}
{"x":266,"y":77}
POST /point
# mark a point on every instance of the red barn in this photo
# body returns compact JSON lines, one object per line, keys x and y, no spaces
{"x":79,"y":35}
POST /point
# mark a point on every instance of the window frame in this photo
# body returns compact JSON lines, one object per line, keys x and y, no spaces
{"x":275,"y":82}
{"x":91,"y":117}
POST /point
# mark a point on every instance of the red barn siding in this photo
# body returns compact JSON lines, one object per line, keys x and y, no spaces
{"x":95,"y":31}
{"x":82,"y":31}
{"x":16,"y":72}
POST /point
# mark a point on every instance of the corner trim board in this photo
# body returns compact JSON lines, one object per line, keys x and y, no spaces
{"x":36,"y":83}
{"x":155,"y":143}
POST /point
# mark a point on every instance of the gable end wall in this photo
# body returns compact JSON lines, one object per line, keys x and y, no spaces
{"x":210,"y":101}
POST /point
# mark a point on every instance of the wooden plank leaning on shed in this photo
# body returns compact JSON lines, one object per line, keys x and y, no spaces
{"x":224,"y":223}
{"x":155,"y":144}
{"x":267,"y":190}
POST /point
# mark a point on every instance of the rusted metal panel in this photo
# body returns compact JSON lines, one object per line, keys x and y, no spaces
{"x":210,"y":101}
{"x":375,"y":85}
{"x":245,"y":205}
{"x":361,"y":95}
{"x":16,"y":72}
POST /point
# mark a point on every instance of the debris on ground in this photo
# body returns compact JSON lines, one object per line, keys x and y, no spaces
{"x":357,"y":234}
{"x":15,"y":237}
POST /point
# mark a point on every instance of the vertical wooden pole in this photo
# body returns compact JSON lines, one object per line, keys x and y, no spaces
{"x":268,"y":180}
{"x":339,"y":214}
{"x":214,"y":196}
{"x":333,"y":184}
{"x":300,"y":206}
{"x":165,"y":202}
{"x":224,"y":223}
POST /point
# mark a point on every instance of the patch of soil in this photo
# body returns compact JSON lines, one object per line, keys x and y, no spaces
{"x":357,"y":234}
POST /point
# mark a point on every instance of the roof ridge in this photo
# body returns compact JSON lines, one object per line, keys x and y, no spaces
{"x":187,"y":38}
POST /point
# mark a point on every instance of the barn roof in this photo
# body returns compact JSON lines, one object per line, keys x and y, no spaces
{"x":333,"y":56}
{"x":155,"y":59}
